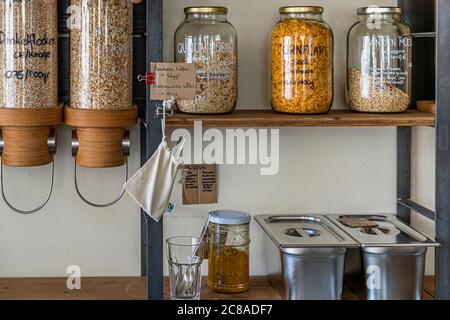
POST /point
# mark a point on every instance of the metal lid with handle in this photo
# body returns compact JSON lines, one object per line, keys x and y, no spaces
{"x":291,"y":232}
{"x":388,"y":231}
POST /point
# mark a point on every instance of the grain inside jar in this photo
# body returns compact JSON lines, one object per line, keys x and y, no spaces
{"x":379,"y":62}
{"x":367,"y":93}
{"x":302,"y":62}
{"x":28,"y":53}
{"x":101,"y":55}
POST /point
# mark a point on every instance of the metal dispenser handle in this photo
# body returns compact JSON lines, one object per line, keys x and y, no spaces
{"x":51,"y":144}
{"x":126,"y":143}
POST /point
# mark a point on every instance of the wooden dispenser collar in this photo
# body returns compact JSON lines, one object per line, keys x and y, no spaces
{"x":100,"y":147}
{"x":25,"y":135}
{"x":100,"y":135}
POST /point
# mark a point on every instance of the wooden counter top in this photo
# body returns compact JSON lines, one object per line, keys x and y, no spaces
{"x":134,"y":288}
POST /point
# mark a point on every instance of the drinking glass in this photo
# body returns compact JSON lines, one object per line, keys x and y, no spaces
{"x":185,"y":255}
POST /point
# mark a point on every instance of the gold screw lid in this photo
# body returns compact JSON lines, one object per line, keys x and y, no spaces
{"x":222,"y":10}
{"x":302,"y":9}
{"x":380,"y":10}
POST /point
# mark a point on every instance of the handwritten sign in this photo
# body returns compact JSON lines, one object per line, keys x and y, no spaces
{"x":173,"y":80}
{"x":200,"y":184}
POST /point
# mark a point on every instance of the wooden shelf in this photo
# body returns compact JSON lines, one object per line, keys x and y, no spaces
{"x":336,"y":118}
{"x":135,"y":288}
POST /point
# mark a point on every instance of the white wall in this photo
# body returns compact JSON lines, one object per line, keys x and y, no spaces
{"x":103,"y":242}
{"x":323,"y":170}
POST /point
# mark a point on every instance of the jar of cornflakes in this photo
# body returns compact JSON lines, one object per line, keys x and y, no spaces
{"x":302,"y":62}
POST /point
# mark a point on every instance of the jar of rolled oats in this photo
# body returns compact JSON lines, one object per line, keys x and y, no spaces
{"x":28,"y":54}
{"x":101,"y":54}
{"x":379,"y":62}
{"x":209,"y":41}
{"x":302,"y":62}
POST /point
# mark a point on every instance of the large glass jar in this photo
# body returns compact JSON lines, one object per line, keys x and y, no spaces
{"x":28,"y":54}
{"x":101,"y":54}
{"x":302,"y":62}
{"x":209,"y":41}
{"x":379,"y":62}
{"x":228,"y":257}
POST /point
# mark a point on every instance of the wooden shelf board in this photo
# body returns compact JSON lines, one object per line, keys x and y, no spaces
{"x":135,"y":288}
{"x":336,"y":118}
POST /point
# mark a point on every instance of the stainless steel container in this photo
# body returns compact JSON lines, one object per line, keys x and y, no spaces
{"x":305,"y":256}
{"x":393,"y":256}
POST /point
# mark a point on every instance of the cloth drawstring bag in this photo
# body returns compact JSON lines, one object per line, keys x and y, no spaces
{"x":151,"y":187}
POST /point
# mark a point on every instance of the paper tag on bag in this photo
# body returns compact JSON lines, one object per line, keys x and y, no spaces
{"x":170,"y":209}
{"x":176,"y":80}
{"x":199,"y":184}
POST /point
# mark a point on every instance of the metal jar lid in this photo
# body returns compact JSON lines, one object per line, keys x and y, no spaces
{"x":229,"y":217}
{"x":302,"y":9}
{"x":213,"y":9}
{"x":379,"y":10}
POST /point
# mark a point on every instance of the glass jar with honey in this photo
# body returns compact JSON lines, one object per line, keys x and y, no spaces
{"x":229,"y":240}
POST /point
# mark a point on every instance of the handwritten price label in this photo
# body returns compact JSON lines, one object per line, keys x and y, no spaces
{"x":176,"y":80}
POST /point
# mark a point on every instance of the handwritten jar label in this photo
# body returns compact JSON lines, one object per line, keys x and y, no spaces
{"x":173,"y":80}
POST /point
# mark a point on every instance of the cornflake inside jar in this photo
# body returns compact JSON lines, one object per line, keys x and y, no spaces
{"x":373,"y":94}
{"x":302,"y":67}
{"x":101,"y":55}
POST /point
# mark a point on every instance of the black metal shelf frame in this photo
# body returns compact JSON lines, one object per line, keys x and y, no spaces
{"x":430,"y":22}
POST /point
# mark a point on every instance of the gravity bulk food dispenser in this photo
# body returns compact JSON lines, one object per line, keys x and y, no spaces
{"x":101,"y":104}
{"x":28,"y":85}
